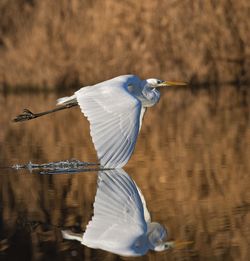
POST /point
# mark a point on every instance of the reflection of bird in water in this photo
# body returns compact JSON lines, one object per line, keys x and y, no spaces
{"x":115,"y":110}
{"x":121,"y":223}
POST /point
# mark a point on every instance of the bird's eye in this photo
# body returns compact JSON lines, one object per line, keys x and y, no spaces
{"x":166,"y":246}
{"x":159,"y":81}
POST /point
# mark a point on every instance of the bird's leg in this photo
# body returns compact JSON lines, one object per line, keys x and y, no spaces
{"x":28,"y":115}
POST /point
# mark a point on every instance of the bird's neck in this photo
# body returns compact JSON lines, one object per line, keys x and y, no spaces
{"x":146,"y":94}
{"x":151,"y":96}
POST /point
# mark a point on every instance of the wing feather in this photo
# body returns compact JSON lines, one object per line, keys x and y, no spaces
{"x":118,"y":220}
{"x":115,"y":117}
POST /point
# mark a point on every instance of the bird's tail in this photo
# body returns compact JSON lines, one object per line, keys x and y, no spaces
{"x":66,"y":100}
{"x":68,"y":234}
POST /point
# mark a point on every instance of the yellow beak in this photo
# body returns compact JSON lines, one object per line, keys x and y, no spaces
{"x":167,"y":83}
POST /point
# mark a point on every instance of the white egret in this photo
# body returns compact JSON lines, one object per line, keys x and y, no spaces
{"x":121,"y":223}
{"x":115,"y":110}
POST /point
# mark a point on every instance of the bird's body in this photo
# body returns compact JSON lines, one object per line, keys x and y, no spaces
{"x":132,"y":84}
{"x":115,"y":109}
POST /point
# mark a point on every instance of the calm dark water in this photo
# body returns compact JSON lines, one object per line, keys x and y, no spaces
{"x":191,"y":163}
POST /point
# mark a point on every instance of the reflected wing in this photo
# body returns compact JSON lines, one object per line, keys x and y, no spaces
{"x":118,"y":221}
{"x":114,"y":116}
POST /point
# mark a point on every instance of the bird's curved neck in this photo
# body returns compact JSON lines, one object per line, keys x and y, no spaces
{"x":147,"y":95}
{"x":151,"y":96}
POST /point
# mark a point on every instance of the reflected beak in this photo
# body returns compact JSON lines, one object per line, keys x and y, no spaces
{"x":180,"y":244}
{"x":167,"y":83}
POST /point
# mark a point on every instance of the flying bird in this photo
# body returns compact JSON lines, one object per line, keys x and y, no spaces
{"x":121,"y":222}
{"x":114,"y":109}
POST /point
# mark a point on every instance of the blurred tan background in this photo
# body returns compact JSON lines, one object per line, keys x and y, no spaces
{"x":53,"y":44}
{"x":191,"y":160}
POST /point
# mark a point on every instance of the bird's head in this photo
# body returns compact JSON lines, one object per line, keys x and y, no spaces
{"x":172,"y":245}
{"x":149,"y":90}
{"x":156,"y":83}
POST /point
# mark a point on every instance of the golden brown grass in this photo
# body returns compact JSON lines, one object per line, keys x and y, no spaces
{"x":61,"y":43}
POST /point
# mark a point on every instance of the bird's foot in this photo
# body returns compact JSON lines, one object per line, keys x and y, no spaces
{"x":25,"y":116}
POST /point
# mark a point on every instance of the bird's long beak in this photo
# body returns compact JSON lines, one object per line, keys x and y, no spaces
{"x":179,"y":244}
{"x":167,"y":83}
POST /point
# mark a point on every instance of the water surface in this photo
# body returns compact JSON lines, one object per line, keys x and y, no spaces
{"x":191,"y":162}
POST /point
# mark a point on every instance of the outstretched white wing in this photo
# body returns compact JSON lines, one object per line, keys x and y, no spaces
{"x":118,"y":224}
{"x":114,"y":115}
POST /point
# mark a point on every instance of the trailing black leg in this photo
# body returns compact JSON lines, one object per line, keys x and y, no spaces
{"x":28,"y":115}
